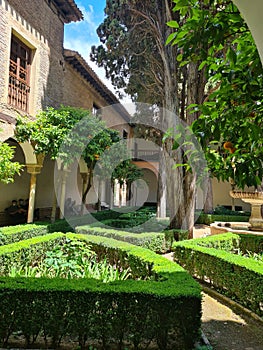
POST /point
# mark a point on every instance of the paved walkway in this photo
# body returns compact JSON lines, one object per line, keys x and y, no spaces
{"x":227,"y":329}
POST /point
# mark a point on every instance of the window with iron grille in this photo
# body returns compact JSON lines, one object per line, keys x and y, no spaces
{"x":19,"y":75}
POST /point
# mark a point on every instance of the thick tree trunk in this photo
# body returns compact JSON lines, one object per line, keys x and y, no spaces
{"x":84,"y":195}
{"x":182,"y":183}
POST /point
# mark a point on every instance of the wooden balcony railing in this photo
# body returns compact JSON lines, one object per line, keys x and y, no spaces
{"x":18,"y":90}
{"x":145,"y":155}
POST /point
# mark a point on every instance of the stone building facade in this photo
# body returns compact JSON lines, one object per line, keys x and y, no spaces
{"x":37,"y":72}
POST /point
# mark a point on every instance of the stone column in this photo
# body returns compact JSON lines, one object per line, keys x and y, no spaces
{"x":116,"y":193}
{"x":64,"y":176}
{"x":124,"y":194}
{"x":33,"y":170}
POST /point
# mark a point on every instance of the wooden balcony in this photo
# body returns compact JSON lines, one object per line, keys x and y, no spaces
{"x":18,"y":89}
{"x":145,"y":155}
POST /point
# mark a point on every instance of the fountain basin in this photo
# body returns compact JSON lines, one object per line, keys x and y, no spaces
{"x":255,"y":199}
{"x":234,"y":227}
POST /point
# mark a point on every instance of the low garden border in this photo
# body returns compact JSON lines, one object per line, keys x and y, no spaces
{"x":210,"y":260}
{"x":165,"y":308}
{"x":208,"y":219}
{"x":159,"y":242}
{"x":11,"y":234}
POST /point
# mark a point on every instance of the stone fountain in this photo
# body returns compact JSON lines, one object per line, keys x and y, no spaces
{"x":256,"y":201}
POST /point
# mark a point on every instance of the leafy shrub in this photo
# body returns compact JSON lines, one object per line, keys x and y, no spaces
{"x":69,"y":259}
{"x":11,"y":234}
{"x":208,"y":219}
{"x":238,"y":277}
{"x":164,"y":309}
{"x":151,"y":240}
{"x":221,"y":210}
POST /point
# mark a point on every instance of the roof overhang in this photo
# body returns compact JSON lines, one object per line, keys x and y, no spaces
{"x":69,"y":10}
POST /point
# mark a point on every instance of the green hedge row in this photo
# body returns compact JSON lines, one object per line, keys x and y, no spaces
{"x":157,"y":241}
{"x":237,"y":277}
{"x":137,"y":225}
{"x":208,"y":219}
{"x":164,"y":310}
{"x":229,"y":242}
{"x":251,"y":243}
{"x":11,"y":234}
{"x":27,"y":250}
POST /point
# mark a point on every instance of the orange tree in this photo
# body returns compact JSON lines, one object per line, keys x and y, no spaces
{"x":230,"y":127}
{"x":67,"y":133}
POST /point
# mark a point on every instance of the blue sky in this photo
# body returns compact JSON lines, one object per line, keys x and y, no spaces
{"x":80,"y":36}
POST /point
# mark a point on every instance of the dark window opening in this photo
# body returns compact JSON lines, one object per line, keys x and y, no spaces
{"x":124,"y":134}
{"x":95,"y":110}
{"x":19,"y":75}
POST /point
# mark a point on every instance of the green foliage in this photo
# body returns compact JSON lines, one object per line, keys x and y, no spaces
{"x":115,"y":162}
{"x":127,"y":171}
{"x":221,"y":210}
{"x":70,"y":259}
{"x":151,"y":240}
{"x":215,"y":34}
{"x":251,"y":243}
{"x":12,"y":234}
{"x":211,"y":259}
{"x":54,"y":132}
{"x":208,"y":219}
{"x":130,"y":312}
{"x":133,"y":65}
{"x":8,"y":168}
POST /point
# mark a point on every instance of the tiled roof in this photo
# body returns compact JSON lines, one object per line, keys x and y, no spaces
{"x":81,"y":66}
{"x":69,"y":10}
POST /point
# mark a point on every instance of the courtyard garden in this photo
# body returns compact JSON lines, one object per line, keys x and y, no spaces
{"x":94,"y":291}
{"x":100,"y":281}
{"x":101,"y":287}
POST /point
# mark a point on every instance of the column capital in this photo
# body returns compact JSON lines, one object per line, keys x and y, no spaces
{"x":34,"y":168}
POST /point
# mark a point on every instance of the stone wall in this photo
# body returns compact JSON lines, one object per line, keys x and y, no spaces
{"x":36,"y":24}
{"x":78,"y":92}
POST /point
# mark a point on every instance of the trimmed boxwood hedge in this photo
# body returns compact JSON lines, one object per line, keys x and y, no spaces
{"x":208,"y":219}
{"x":210,"y":259}
{"x":11,"y":234}
{"x":156,"y":241}
{"x":165,"y":309}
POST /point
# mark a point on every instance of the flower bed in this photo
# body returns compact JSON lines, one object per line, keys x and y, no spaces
{"x":164,"y":309}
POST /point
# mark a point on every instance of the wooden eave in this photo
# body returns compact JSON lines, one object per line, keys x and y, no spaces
{"x":69,"y":10}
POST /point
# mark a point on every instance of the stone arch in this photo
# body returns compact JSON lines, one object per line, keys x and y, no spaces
{"x":30,"y":156}
{"x":151,"y":178}
{"x":153,"y":166}
{"x":19,"y":188}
